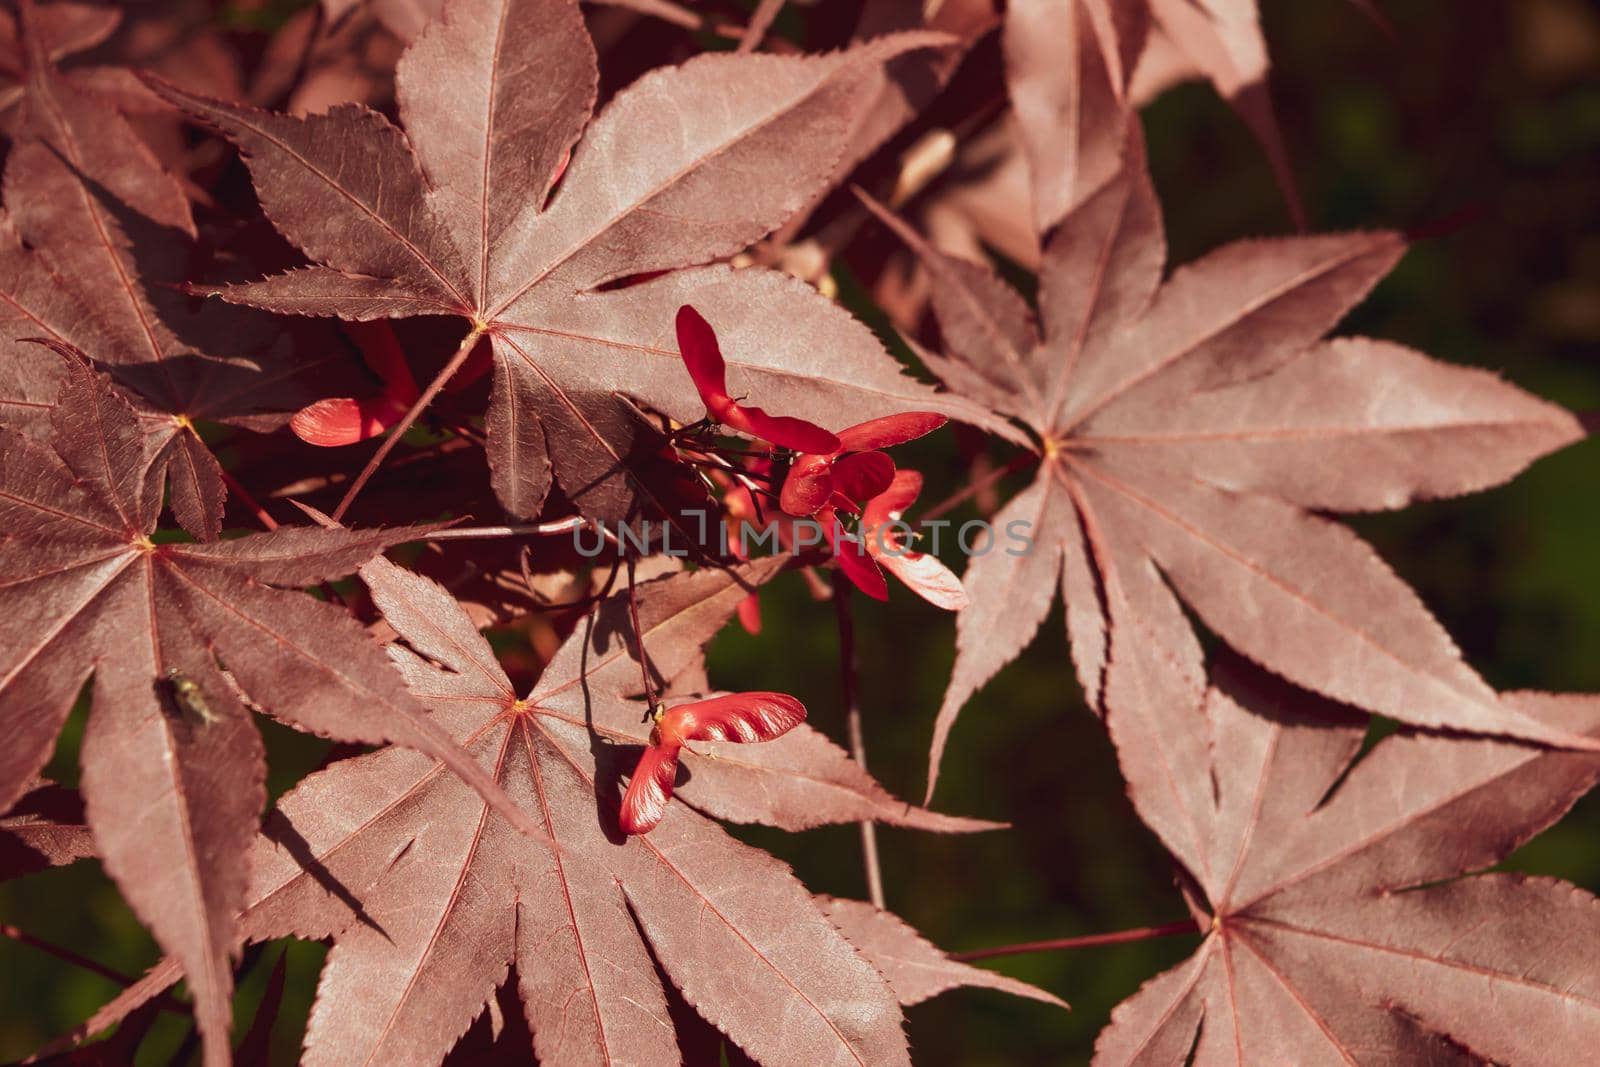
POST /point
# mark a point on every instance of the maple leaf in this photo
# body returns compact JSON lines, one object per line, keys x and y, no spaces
{"x":1069,"y":64}
{"x":1074,"y":91}
{"x":76,"y":183}
{"x":1336,"y":927}
{"x":432,"y":899}
{"x":64,"y":108}
{"x":456,"y":217}
{"x":915,"y":969}
{"x":43,"y":829}
{"x":183,"y":642}
{"x":1186,"y":434}
{"x":911,"y":84}
{"x":1221,"y":41}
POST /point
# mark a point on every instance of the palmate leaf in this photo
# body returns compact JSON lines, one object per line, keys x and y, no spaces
{"x":430,"y":899}
{"x":1336,"y":927}
{"x":1077,"y":68}
{"x":76,"y":181}
{"x":183,"y":641}
{"x":914,"y":968}
{"x":63,"y":107}
{"x":1221,"y":41}
{"x":729,"y":925}
{"x":1188,"y":432}
{"x":1069,"y":64}
{"x":45,"y":828}
{"x":453,"y":217}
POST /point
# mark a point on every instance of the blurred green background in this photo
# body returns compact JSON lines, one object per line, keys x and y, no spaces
{"x":1482,"y":109}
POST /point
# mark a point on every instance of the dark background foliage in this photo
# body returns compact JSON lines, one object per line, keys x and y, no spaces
{"x":1480,"y":119}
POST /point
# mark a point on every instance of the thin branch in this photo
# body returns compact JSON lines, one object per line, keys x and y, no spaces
{"x":760,"y":22}
{"x":1021,"y":461}
{"x":247,"y":500}
{"x":537,"y":529}
{"x":66,"y":955}
{"x":447,"y":372}
{"x":638,"y":641}
{"x":858,"y":748}
{"x":664,"y":10}
{"x":462,"y":430}
{"x":1143,"y":933}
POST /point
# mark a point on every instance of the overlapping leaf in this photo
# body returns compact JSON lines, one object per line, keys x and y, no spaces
{"x":1077,"y":68}
{"x":65,"y":109}
{"x":456,"y":217}
{"x":1220,"y":41}
{"x":76,"y":182}
{"x":1069,"y":64}
{"x":436,"y":897}
{"x":1187,"y":432}
{"x":1337,"y":928}
{"x":183,"y":641}
{"x":914,"y":968}
{"x":44,"y":829}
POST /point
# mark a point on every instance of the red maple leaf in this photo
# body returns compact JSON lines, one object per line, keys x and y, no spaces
{"x":92,"y":221}
{"x":1183,"y":432}
{"x":1337,"y":927}
{"x":183,"y":642}
{"x":432,"y":897}
{"x":455,"y":217}
{"x":915,"y":969}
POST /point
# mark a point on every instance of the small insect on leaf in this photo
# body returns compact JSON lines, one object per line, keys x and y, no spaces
{"x":189,"y":698}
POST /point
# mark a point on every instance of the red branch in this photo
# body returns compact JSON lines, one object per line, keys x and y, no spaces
{"x":66,"y":955}
{"x":446,"y":372}
{"x":1143,"y":933}
{"x":247,"y":500}
{"x":858,"y":747}
{"x":1021,"y":461}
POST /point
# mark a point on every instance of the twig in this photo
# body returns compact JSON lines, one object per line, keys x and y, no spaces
{"x":1021,"y":461}
{"x":66,"y":955}
{"x":247,"y":500}
{"x":638,"y":641}
{"x":664,"y":10}
{"x":482,"y":533}
{"x":447,"y":372}
{"x":1143,"y":933}
{"x":760,"y":22}
{"x":858,"y":747}
{"x":462,"y":430}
